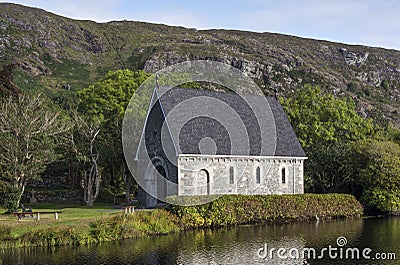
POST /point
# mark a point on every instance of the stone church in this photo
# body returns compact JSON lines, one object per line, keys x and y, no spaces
{"x":196,"y":155}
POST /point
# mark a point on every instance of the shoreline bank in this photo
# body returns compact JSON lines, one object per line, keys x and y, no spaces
{"x":227,"y":210}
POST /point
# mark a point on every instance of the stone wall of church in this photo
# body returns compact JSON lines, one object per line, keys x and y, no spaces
{"x":156,"y":148}
{"x":201,"y":175}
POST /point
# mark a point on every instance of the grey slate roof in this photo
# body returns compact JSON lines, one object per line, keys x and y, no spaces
{"x":229,"y":121}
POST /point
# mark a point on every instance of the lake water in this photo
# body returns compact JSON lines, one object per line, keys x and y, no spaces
{"x":238,"y":245}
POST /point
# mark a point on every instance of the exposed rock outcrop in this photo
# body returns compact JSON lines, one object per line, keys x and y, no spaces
{"x":65,"y":51}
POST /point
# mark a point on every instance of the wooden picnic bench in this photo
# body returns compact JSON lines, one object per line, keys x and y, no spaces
{"x":21,"y":215}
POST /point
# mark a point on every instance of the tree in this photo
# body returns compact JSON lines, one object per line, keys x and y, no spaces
{"x":85,"y":146}
{"x":106,"y":102}
{"x":108,"y":98}
{"x":325,"y":126}
{"x":322,"y":118}
{"x":330,"y":169}
{"x":29,"y":132}
{"x":393,"y":134}
{"x":378,"y":169}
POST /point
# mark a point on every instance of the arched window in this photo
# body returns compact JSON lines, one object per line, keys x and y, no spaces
{"x":231,"y":175}
{"x":283,"y":174}
{"x":205,"y":177}
{"x":258,"y":175}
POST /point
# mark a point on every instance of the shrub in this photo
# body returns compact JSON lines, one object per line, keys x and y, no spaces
{"x":11,"y":199}
{"x":385,"y":84}
{"x":378,"y":166}
{"x":246,"y":209}
{"x":141,"y":223}
{"x":5,"y":232}
{"x":53,"y":236}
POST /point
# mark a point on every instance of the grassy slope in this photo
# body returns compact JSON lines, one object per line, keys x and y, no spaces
{"x":55,"y":51}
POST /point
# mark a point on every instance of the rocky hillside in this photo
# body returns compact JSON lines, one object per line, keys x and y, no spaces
{"x":58,"y":54}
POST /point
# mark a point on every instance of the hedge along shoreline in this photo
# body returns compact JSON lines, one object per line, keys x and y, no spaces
{"x":249,"y":209}
{"x":226,"y":210}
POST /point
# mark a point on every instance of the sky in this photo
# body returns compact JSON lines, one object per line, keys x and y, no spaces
{"x":366,"y":22}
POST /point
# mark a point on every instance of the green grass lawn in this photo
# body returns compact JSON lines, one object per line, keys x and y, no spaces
{"x":73,"y":214}
{"x":80,"y":224}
